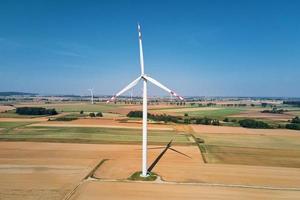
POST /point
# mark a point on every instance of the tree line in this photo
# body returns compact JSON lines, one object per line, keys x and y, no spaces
{"x":274,"y":111}
{"x":251,"y":123}
{"x":295,"y":124}
{"x":293,"y":103}
{"x":175,"y":119}
{"x":35,"y":111}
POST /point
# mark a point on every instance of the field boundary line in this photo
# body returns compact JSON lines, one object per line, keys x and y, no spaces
{"x":86,"y":178}
{"x":202,"y":150}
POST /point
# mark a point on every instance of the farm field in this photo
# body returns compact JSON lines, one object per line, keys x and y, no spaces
{"x":220,"y":112}
{"x":92,"y":190}
{"x":86,"y":157}
{"x":108,"y":122}
{"x":54,"y":170}
{"x":257,"y":114}
{"x":41,"y":170}
{"x":7,"y":125}
{"x":12,"y":114}
{"x":212,"y":112}
{"x":73,"y":107}
{"x":236,"y":145}
{"x":118,"y":110}
{"x":86,"y":134}
{"x":216,"y":114}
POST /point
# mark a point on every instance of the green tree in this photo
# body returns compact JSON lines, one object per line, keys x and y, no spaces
{"x":250,"y":123}
{"x":296,"y":120}
{"x":99,"y":114}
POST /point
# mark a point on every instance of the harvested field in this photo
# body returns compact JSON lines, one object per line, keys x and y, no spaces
{"x":52,"y":170}
{"x":147,"y":191}
{"x":252,"y":156}
{"x":259,"y":147}
{"x":42,"y":171}
{"x":177,"y":168}
{"x":267,"y":116}
{"x":131,"y":158}
{"x":240,"y":130}
{"x":105,"y":122}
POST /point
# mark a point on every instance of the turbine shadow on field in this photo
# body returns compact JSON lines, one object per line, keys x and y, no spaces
{"x":168,"y":146}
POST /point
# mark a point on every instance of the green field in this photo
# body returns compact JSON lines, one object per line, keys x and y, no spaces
{"x":89,"y":135}
{"x":13,"y":114}
{"x":216,"y":114}
{"x":6,"y":125}
{"x":265,"y":150}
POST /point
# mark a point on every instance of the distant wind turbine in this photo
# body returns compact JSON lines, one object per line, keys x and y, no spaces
{"x":131,"y":94}
{"x":144,"y":78}
{"x":92,"y":95}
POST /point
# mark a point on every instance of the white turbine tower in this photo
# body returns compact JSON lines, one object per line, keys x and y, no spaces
{"x":92,"y":95}
{"x":145,"y":78}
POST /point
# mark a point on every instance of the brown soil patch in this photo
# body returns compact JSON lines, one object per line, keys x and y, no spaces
{"x":257,"y":114}
{"x":6,"y":108}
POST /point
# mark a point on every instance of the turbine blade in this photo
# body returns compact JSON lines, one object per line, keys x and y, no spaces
{"x":170,"y":143}
{"x":129,"y":86}
{"x":158,"y":84}
{"x":179,"y":152}
{"x":141,"y":49}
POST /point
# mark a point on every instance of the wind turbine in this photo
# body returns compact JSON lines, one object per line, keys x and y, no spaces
{"x":92,"y":95}
{"x":145,"y":78}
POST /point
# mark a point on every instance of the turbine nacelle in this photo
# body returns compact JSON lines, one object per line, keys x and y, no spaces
{"x":146,"y":78}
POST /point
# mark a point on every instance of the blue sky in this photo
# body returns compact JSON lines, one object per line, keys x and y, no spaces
{"x":205,"y":48}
